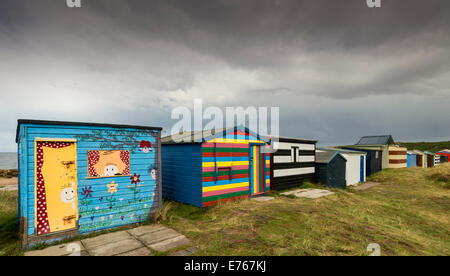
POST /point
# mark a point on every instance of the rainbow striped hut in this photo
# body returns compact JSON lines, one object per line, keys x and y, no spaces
{"x":204,"y":167}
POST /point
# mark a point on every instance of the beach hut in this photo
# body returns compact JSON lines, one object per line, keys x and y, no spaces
{"x":374,"y":159}
{"x":292,"y":163}
{"x":355,"y":166}
{"x":393,"y":156}
{"x":437,"y":160}
{"x":444,"y":156}
{"x":429,"y":157}
{"x":205,"y":167}
{"x":420,"y":158}
{"x":411,"y":160}
{"x":330,"y":169}
{"x":76,"y":178}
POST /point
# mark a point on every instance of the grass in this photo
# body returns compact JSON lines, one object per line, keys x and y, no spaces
{"x":8,"y":173}
{"x":9,"y":225}
{"x":429,"y":146}
{"x":406,"y":215}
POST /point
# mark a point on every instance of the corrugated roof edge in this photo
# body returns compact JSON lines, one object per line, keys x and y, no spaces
{"x":167,"y":140}
{"x":68,"y":123}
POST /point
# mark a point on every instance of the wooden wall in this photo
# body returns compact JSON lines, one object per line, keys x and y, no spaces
{"x":131,"y":203}
{"x":293,"y":163}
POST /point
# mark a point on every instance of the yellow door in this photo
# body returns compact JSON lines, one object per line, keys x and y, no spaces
{"x":56,"y":187}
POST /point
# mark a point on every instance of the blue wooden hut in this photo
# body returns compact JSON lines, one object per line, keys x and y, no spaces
{"x":411,"y":159}
{"x":203,"y":168}
{"x":76,"y":178}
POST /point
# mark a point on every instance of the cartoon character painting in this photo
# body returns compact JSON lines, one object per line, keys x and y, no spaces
{"x":111,"y":170}
{"x":68,"y":195}
{"x":145,"y":146}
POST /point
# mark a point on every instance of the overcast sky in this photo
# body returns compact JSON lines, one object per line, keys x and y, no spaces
{"x":337,"y":69}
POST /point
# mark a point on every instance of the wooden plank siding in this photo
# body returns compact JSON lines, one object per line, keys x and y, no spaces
{"x":129,"y":206}
{"x":225,"y":168}
{"x":293,"y":163}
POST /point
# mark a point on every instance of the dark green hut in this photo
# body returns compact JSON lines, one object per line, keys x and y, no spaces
{"x":330,"y":169}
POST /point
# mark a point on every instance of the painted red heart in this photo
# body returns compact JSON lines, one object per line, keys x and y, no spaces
{"x":121,"y":217}
{"x":100,"y":199}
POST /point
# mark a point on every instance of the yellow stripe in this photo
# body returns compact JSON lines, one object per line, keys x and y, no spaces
{"x":225,"y":164}
{"x":224,"y":187}
{"x":267,"y":162}
{"x":235,"y":141}
{"x":267,"y":181}
{"x":254,"y":169}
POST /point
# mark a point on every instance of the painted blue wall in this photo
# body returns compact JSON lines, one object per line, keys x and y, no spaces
{"x":182,"y":173}
{"x":128,"y":207}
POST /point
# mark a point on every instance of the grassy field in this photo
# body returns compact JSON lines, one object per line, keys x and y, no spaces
{"x":429,"y":146}
{"x":407,"y":214}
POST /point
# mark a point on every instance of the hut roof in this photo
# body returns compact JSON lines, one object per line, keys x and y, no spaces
{"x":200,"y":136}
{"x":324,"y":157}
{"x":376,"y":140}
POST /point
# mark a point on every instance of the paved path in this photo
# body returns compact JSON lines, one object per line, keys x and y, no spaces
{"x":8,"y":184}
{"x":365,"y":186}
{"x":134,"y":242}
{"x":308,"y":193}
{"x":263,"y":198}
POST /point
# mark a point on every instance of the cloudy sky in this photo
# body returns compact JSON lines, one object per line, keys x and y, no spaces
{"x":337,"y":69}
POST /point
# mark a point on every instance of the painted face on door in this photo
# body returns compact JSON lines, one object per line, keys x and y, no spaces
{"x":111,"y":170}
{"x":68,"y":195}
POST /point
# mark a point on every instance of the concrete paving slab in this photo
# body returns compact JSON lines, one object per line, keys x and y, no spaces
{"x":158,"y":236}
{"x":263,"y":198}
{"x":143,"y":251}
{"x":169,"y":244}
{"x":142,"y":230}
{"x":8,"y":188}
{"x":105,"y":239}
{"x":58,"y":250}
{"x":115,"y":248}
{"x":365,"y":186}
{"x":309,"y":193}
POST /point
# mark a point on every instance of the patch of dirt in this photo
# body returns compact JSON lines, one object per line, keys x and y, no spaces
{"x":8,"y":181}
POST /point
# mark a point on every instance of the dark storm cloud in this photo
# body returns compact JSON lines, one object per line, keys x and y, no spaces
{"x":336,"y":68}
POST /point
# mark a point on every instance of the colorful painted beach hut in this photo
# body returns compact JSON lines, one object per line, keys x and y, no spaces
{"x":293,"y":162}
{"x":330,"y":169}
{"x":444,"y":156}
{"x":204,"y":167}
{"x":76,"y":178}
{"x":355,"y":166}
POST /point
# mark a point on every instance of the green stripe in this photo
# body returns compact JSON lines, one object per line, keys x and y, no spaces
{"x":212,"y":198}
{"x":206,"y":174}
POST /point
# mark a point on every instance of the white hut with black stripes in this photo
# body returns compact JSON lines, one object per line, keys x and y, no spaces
{"x":293,"y":162}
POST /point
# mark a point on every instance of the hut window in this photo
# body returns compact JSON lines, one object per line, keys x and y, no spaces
{"x":108,"y":163}
{"x":223,"y":173}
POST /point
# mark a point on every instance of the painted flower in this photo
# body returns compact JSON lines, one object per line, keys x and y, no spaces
{"x":112,"y":187}
{"x":87,"y":191}
{"x":145,"y":146}
{"x":153,"y":174}
{"x":135,"y":179}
